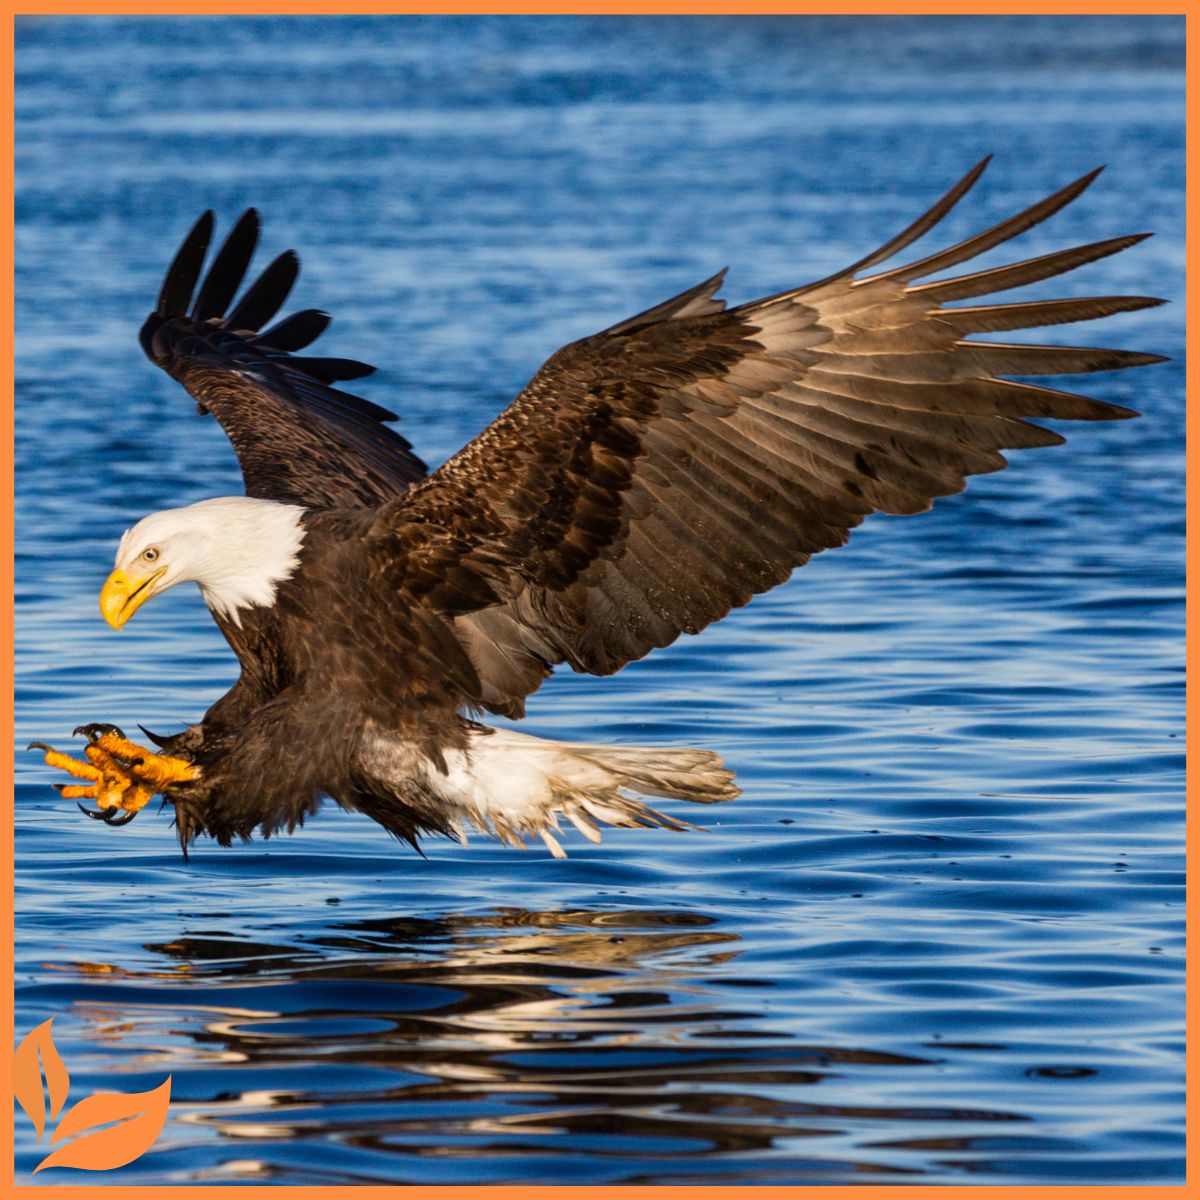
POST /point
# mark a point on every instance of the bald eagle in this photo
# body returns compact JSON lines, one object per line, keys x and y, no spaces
{"x":648,"y":479}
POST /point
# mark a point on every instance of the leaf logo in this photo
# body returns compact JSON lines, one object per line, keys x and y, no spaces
{"x":27,"y":1077}
{"x":114,"y":1128}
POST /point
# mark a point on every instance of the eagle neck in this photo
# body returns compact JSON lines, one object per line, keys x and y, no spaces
{"x":246,"y":548}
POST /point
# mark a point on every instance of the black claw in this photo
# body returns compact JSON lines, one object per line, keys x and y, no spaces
{"x":41,"y":746}
{"x":157,"y":739}
{"x":98,"y":730}
{"x":110,"y":816}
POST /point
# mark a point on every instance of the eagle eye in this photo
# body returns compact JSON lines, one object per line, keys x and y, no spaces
{"x":150,"y":554}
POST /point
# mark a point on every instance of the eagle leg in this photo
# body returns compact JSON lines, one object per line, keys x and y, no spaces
{"x":123,"y":776}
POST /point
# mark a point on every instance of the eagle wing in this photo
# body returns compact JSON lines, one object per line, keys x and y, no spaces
{"x":298,"y":439}
{"x":658,"y":474}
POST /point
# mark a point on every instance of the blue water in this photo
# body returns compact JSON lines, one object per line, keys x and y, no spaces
{"x":939,"y":937}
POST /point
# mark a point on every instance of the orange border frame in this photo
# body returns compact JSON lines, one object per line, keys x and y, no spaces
{"x":9,"y":9}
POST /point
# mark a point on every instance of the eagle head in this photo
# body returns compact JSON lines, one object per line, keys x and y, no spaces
{"x":237,"y":548}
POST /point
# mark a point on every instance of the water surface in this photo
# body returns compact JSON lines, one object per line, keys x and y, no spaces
{"x":939,"y":937}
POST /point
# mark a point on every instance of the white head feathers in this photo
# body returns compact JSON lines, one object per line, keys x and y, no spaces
{"x":236,"y":548}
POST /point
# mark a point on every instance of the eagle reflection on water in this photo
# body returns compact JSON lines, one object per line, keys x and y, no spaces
{"x":511,"y":1035}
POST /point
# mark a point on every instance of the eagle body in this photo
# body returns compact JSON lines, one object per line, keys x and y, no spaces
{"x":403,"y":753}
{"x":647,"y":480}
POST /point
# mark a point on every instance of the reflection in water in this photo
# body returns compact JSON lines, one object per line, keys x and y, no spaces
{"x":507,"y":1036}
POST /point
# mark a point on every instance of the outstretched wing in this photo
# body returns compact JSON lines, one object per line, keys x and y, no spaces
{"x":298,"y":439}
{"x":658,"y":474}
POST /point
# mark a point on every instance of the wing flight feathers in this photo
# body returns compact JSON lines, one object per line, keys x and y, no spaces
{"x":921,"y":226}
{"x":1020,"y":274}
{"x":1035,"y":214}
{"x":298,"y":440}
{"x":295,"y":332}
{"x":184,"y":271}
{"x":656,"y":475}
{"x":228,"y":268}
{"x":266,"y":295}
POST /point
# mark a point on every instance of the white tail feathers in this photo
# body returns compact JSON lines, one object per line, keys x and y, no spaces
{"x":514,"y":786}
{"x":696,"y":775}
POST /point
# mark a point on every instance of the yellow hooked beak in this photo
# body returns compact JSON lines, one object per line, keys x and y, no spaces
{"x":121,"y":597}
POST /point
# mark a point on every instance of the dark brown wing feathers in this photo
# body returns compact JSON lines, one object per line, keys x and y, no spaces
{"x":180,"y":281}
{"x":298,"y":440}
{"x":228,"y":268}
{"x":656,"y":475}
{"x":266,"y":295}
{"x":1020,"y":274}
{"x":295,"y":332}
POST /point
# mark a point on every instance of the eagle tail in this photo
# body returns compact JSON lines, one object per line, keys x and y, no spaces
{"x":683,"y":774}
{"x":514,"y":786}
{"x":592,"y":785}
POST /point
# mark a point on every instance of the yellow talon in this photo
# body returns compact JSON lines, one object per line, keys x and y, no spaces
{"x":123,"y":776}
{"x":134,"y":799}
{"x":75,"y":791}
{"x":72,"y":766}
{"x":157,"y":769}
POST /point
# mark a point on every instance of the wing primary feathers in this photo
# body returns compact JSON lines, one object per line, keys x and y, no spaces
{"x":1031,"y":270}
{"x":999,"y":359}
{"x":994,"y":318}
{"x":1052,"y":404}
{"x":330,"y":370}
{"x":228,"y":268}
{"x":266,"y":295}
{"x":295,"y":332}
{"x":1005,"y":230}
{"x":695,"y":302}
{"x":921,"y":226}
{"x":181,"y":276}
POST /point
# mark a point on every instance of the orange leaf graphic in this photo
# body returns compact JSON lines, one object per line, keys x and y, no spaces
{"x":141,"y":1116}
{"x":27,"y":1076}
